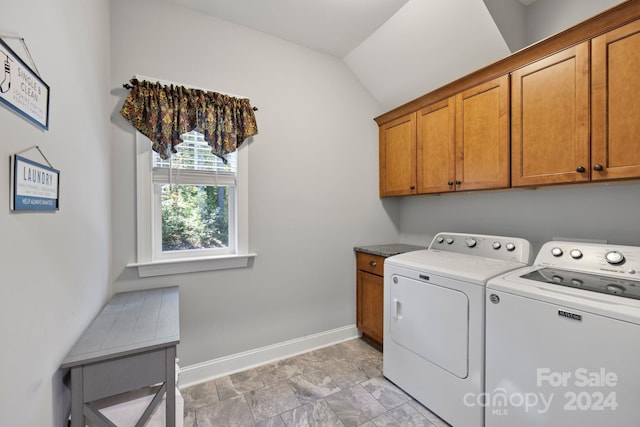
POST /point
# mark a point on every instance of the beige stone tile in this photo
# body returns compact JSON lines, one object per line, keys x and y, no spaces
{"x":200,"y":395}
{"x":232,"y":412}
{"x":435,"y":420}
{"x":189,"y":418}
{"x":278,"y":371}
{"x":354,"y":406}
{"x":312,"y":386}
{"x":385,"y":392}
{"x":271,"y":400}
{"x":272,"y":422}
{"x":344,"y":373}
{"x":405,"y":416}
{"x":314,"y":414}
{"x":237,"y":384}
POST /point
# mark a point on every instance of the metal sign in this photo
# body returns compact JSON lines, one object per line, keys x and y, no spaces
{"x":34,"y":186}
{"x":21,"y":89}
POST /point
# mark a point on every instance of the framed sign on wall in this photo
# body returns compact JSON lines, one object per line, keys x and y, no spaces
{"x":21,"y":89}
{"x":34,"y":186}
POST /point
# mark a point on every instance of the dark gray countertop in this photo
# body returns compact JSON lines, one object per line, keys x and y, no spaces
{"x":388,"y":249}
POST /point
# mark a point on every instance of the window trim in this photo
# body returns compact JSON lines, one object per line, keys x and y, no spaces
{"x":146,"y":265}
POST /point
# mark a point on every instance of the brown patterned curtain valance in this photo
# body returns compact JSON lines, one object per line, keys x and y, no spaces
{"x":164,"y":112}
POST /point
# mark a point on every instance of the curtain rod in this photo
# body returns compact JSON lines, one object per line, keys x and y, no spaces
{"x":168,"y":83}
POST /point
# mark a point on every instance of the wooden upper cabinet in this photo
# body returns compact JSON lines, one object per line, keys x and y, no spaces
{"x":616,"y":104}
{"x":550,"y":119}
{"x":398,"y":156}
{"x":463,"y":141}
{"x":482,"y":136}
{"x":436,"y":147}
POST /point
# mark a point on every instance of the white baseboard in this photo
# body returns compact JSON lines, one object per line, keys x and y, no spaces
{"x":206,"y":371}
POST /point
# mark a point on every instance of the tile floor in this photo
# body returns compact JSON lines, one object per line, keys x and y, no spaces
{"x":335,"y":386}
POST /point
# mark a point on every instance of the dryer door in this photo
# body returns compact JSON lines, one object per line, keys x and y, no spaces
{"x":431,"y":321}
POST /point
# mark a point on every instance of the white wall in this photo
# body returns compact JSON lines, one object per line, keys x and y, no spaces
{"x":547,"y":17}
{"x":509,"y":16}
{"x":55,"y":266}
{"x":425,"y":45}
{"x":313,"y":178}
{"x":605,"y":212}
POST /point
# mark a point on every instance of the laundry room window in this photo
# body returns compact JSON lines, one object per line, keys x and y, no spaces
{"x":191,"y":209}
{"x":194,"y":201}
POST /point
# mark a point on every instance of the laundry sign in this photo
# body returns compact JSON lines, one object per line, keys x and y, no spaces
{"x":21,"y":89}
{"x":34,"y":186}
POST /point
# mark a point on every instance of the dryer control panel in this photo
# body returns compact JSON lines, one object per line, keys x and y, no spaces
{"x":496,"y":247}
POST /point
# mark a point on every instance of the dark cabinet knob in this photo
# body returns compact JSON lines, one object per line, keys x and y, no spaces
{"x":597,"y":168}
{"x":580,"y":169}
{"x":458,"y":182}
{"x":450,"y":183}
{"x":413,"y":187}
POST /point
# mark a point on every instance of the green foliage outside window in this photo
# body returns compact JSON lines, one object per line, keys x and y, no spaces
{"x":194,"y":217}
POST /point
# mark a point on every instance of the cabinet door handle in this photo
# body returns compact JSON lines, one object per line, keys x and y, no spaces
{"x":458,"y":182}
{"x":450,"y":183}
{"x":580,"y":169}
{"x":373,"y":263}
{"x":597,"y":168}
{"x":413,"y":187}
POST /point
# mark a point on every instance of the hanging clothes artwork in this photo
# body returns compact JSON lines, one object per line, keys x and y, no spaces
{"x":164,"y":112}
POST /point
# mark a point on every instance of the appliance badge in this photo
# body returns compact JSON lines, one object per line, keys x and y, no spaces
{"x":570,"y":315}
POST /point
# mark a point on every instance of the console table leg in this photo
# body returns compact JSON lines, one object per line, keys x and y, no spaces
{"x":170,"y":402}
{"x":77,"y":398}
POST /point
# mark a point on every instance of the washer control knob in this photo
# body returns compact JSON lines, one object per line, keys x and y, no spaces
{"x":510,"y":247}
{"x":576,"y":253}
{"x":471,"y":243}
{"x":449,"y":240}
{"x":614,"y":257}
{"x":631,"y":271}
{"x":496,"y":245}
{"x":616,"y":289}
{"x":440,"y":239}
{"x":556,"y":252}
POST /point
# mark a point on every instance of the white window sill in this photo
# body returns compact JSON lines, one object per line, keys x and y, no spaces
{"x":191,"y":265}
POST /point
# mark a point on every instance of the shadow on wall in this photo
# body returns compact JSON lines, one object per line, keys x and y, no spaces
{"x":604,"y":212}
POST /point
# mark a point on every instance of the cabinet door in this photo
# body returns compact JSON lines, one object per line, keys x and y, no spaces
{"x":398,"y":157}
{"x":616,"y":104}
{"x":550,"y":119}
{"x":436,"y":147}
{"x":370,"y":314}
{"x":482,"y":136}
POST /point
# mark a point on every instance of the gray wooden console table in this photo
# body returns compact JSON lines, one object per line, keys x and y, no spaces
{"x":129,"y":346}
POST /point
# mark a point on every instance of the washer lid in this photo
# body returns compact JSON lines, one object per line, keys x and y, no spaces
{"x":468,"y":268}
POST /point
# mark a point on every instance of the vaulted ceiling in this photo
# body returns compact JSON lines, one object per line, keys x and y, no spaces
{"x":401,"y":49}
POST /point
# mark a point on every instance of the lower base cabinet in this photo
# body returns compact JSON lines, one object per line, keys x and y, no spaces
{"x":370,"y":296}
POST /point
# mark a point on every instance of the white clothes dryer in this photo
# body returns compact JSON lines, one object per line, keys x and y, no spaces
{"x":434,"y":319}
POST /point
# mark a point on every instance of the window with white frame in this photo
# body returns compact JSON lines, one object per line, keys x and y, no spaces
{"x":191,"y":209}
{"x":194,"y":201}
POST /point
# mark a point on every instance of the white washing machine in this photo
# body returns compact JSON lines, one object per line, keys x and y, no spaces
{"x":563,"y":339}
{"x":434,"y":319}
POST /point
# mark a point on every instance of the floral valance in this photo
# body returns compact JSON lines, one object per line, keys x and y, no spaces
{"x":164,"y":112}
